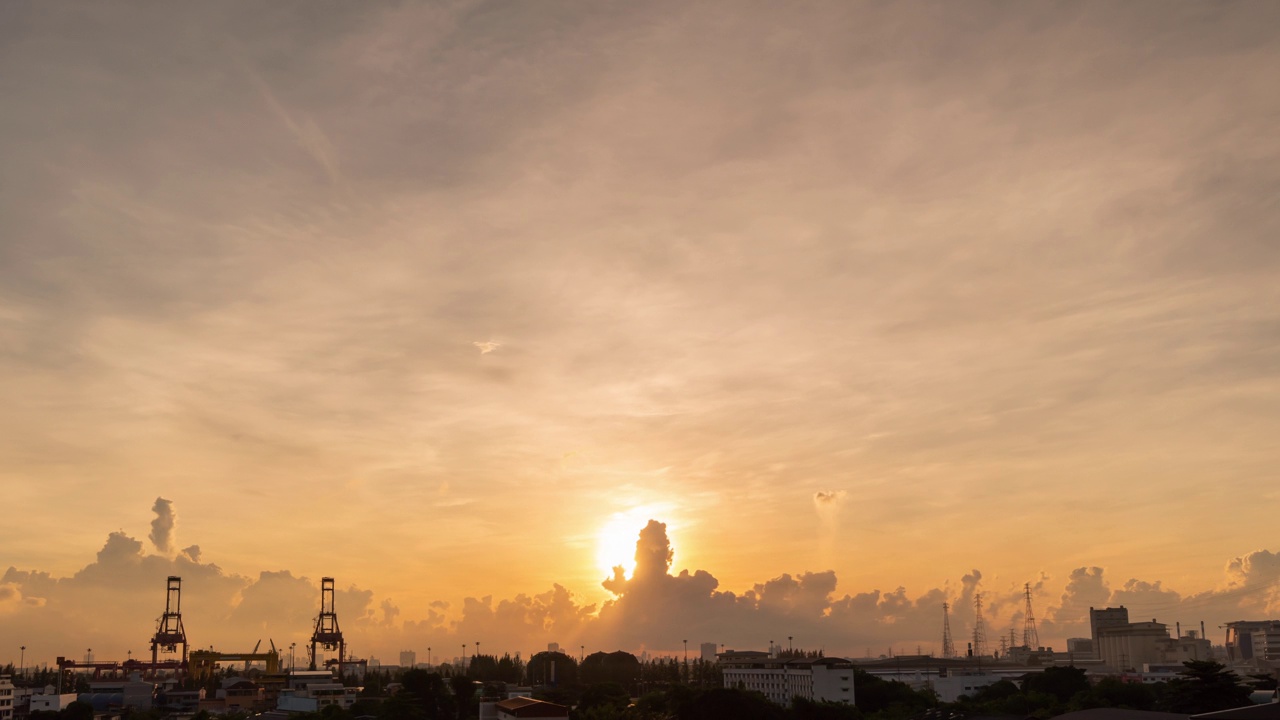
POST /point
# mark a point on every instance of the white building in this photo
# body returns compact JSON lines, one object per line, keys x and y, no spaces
{"x":50,"y":701}
{"x":824,"y":679}
{"x":1266,"y":643}
{"x":6,"y":697}
{"x":952,"y":685}
{"x":311,"y":690}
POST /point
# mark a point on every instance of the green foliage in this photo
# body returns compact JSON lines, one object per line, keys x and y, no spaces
{"x":1060,"y":682}
{"x":802,"y":709}
{"x":77,"y":711}
{"x":1261,"y":681}
{"x":1205,"y":686}
{"x":620,"y":668}
{"x":896,"y":699}
{"x":464,"y":695}
{"x":541,"y":671}
{"x":720,"y":703}
{"x":557,"y":695}
{"x":1116,"y":693}
{"x":604,"y":695}
{"x":426,"y":692}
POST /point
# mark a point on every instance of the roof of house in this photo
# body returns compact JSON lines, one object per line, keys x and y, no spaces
{"x":523,"y":707}
{"x":1120,"y":714}
{"x":1266,"y":711}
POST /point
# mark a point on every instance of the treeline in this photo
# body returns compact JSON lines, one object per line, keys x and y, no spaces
{"x":618,"y":686}
{"x":1204,"y":686}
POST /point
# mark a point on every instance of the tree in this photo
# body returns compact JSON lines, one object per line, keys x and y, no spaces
{"x":875,"y":694}
{"x":427,"y":692}
{"x":77,"y":710}
{"x":1116,"y":693}
{"x":721,"y":703}
{"x":618,"y":667}
{"x":464,"y":694}
{"x":602,"y":695}
{"x":1205,"y":686}
{"x":553,"y":668}
{"x":802,"y":709}
{"x":1060,"y":682}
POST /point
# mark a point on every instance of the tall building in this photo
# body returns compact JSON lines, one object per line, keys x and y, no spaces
{"x":408,"y":659}
{"x":1105,"y":617}
{"x":1240,"y":637}
{"x":709,"y":652}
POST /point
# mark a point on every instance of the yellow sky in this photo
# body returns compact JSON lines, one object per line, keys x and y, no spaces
{"x":426,"y":298}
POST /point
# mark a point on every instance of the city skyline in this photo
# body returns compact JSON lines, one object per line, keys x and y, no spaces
{"x":449,"y":300}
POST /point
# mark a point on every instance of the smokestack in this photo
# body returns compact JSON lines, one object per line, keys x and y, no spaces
{"x":1178,"y":629}
{"x":1202,"y":629}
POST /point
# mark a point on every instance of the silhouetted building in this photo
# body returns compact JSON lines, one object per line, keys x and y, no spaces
{"x":1080,"y":647}
{"x":709,"y":652}
{"x":1105,"y":617}
{"x":1242,"y":635}
{"x":1128,"y":647}
{"x":408,"y":659}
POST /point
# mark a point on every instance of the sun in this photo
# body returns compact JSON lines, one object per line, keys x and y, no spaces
{"x":616,"y":539}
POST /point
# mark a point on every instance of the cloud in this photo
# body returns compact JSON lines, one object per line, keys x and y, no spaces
{"x":487,"y":346}
{"x":163,"y":526}
{"x":1255,"y":578}
{"x":657,"y":608}
{"x":657,"y":202}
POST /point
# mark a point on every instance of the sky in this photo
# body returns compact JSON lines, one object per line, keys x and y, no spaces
{"x":811,"y":316}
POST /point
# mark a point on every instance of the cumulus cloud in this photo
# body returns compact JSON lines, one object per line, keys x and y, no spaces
{"x":487,"y":346}
{"x":164,"y":525}
{"x":1255,"y":578}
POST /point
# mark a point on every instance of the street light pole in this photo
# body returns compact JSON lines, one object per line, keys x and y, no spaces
{"x":22,"y":663}
{"x":686,"y":660}
{"x":464,"y":658}
{"x":789,"y":644}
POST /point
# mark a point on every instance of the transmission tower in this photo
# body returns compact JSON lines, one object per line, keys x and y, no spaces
{"x":948,"y":646}
{"x":1030,"y":637}
{"x":979,"y":627}
{"x":327,"y":634}
{"x":169,"y":632}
